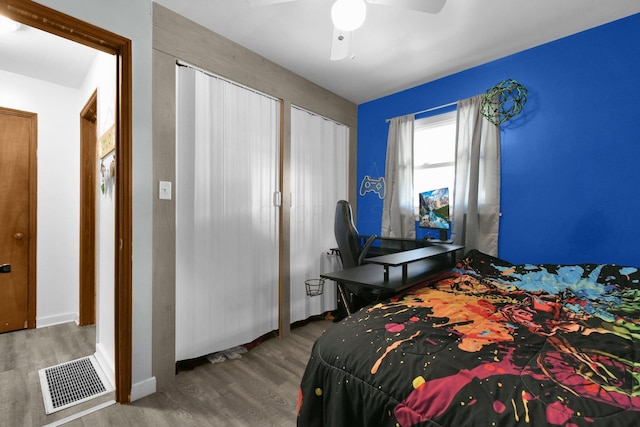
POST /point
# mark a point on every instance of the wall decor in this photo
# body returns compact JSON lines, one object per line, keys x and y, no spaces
{"x":504,"y":101}
{"x":107,"y":173}
{"x":369,"y":184}
{"x":107,"y":142}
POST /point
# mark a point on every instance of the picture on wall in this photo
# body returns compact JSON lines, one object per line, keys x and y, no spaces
{"x":434,"y":208}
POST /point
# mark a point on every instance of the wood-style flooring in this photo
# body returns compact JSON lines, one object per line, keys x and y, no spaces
{"x":259,"y":389}
{"x":23,"y":354}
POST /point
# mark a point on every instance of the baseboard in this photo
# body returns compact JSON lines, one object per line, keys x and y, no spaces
{"x":143,"y":388}
{"x":138,"y":390}
{"x":105,"y":359}
{"x":43,"y":322}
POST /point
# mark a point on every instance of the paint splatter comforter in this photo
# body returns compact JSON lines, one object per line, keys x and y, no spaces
{"x":486,"y":344}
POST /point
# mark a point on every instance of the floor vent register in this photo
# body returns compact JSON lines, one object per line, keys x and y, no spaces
{"x":71,"y":383}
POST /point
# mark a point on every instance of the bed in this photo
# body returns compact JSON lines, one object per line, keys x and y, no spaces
{"x":487,"y":343}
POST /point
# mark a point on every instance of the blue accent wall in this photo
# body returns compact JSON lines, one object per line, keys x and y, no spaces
{"x":570,"y":162}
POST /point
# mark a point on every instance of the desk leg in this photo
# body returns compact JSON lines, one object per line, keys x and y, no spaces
{"x":404,"y":273}
{"x":343,"y":296}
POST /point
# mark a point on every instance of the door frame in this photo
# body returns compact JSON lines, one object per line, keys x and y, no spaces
{"x":38,"y":16}
{"x":87,"y":255}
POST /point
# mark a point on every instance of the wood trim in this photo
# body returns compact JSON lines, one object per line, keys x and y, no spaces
{"x":87,"y":256}
{"x":38,"y":16}
{"x":35,"y":15}
{"x":33,"y":227}
{"x":123,"y":225}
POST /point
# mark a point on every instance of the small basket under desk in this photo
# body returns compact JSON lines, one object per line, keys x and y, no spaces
{"x":314,"y":287}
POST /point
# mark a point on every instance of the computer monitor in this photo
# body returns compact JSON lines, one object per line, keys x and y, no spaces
{"x":434,"y":210}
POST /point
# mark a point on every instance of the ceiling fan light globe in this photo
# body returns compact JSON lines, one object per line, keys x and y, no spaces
{"x":348,"y":15}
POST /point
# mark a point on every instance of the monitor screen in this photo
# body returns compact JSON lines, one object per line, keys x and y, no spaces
{"x":434,"y":208}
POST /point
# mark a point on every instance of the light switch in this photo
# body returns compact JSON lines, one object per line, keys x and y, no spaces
{"x":165,"y":190}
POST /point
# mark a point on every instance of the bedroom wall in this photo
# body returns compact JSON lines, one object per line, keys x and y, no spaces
{"x":176,"y":38}
{"x":569,"y":162}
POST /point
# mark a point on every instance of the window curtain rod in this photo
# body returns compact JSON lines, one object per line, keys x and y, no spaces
{"x":428,"y":110}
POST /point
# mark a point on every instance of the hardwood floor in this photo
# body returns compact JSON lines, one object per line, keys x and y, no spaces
{"x":259,"y":389}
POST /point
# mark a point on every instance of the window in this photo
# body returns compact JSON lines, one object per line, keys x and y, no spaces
{"x":434,"y":151}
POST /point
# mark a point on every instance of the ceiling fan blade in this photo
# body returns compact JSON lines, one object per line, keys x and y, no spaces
{"x":266,"y":2}
{"x":428,"y":6}
{"x":341,"y":45}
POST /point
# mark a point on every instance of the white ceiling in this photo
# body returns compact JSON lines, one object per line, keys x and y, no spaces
{"x":395,"y":49}
{"x":40,"y":55}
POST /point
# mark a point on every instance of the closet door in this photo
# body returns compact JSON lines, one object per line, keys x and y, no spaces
{"x":227,"y":232}
{"x":319,"y":178}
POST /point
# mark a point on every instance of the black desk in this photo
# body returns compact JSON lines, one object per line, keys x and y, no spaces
{"x":417,"y":265}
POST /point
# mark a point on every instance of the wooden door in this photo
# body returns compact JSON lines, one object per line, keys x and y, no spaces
{"x":17,"y":218}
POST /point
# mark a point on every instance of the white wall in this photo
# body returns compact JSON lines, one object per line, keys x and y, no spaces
{"x":102,"y":77}
{"x":133,"y":20}
{"x":58,"y":191}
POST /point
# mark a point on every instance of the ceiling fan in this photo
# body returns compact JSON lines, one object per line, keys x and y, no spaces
{"x":349,"y":15}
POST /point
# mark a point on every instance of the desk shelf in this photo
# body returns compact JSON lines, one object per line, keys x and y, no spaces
{"x":372,"y":275}
{"x":405,"y":258}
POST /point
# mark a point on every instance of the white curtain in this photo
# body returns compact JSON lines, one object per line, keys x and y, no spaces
{"x":476,"y":199}
{"x":319,"y":178}
{"x":227,"y":225}
{"x":398,"y":217}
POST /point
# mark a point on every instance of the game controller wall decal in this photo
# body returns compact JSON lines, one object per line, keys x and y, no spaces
{"x":373,"y":185}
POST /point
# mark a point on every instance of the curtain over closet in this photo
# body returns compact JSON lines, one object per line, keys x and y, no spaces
{"x":476,"y":199}
{"x":226,"y":223}
{"x":319,"y":178}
